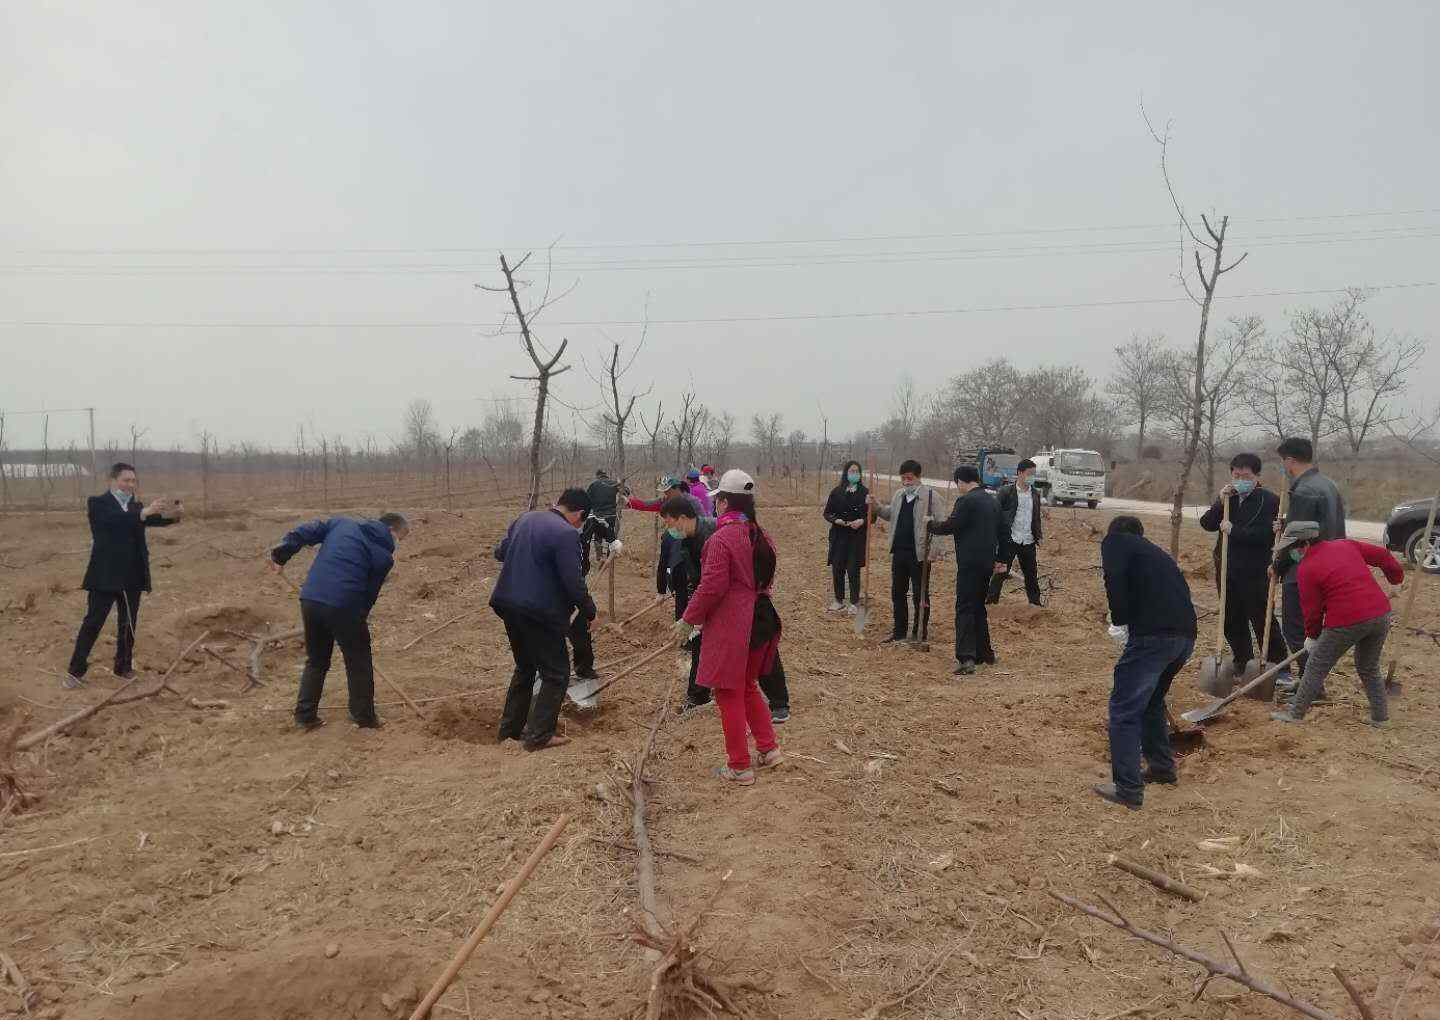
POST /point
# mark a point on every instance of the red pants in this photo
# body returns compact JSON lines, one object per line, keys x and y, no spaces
{"x":744,"y":712}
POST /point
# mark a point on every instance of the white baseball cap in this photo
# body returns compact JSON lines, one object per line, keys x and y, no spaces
{"x":737,"y":483}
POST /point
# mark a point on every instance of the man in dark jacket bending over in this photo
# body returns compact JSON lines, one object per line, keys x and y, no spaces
{"x":541,"y":585}
{"x":335,"y":602}
{"x":1153,"y":620}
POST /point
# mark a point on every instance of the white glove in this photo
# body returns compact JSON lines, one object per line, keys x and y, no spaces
{"x":616,"y":547}
{"x":1120,"y":635}
{"x":1310,"y":643}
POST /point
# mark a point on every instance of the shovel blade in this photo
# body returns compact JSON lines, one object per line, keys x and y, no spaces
{"x":1206,"y":713}
{"x":1260,"y":692}
{"x":862,"y":615}
{"x":583,"y":693}
{"x":1217,"y":676}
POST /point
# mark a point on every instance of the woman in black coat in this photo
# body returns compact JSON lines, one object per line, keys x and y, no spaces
{"x":846,"y":510}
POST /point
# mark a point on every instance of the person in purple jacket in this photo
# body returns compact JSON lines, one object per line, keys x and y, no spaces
{"x":701,"y":492}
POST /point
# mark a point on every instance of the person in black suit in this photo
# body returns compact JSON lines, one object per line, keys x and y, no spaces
{"x":119,"y":570}
{"x":976,"y":524}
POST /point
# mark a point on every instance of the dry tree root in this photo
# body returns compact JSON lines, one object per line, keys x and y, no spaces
{"x":258,"y":642}
{"x":13,"y":796}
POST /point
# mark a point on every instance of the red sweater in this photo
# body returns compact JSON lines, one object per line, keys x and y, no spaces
{"x":1337,"y":588}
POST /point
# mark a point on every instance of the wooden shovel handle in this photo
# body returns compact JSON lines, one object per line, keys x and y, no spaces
{"x":1274,"y":582}
{"x":1224,"y":575}
{"x":630,"y":669}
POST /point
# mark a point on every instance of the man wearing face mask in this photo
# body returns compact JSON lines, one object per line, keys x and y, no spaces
{"x":540,"y":587}
{"x":912,"y":503}
{"x":1251,"y":527}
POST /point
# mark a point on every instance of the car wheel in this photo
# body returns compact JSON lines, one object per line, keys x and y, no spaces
{"x":1092,"y":504}
{"x":1412,"y":551}
{"x":1067,"y":502}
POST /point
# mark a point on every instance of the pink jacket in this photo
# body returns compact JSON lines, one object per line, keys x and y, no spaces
{"x":725,"y":604}
{"x":700,"y":492}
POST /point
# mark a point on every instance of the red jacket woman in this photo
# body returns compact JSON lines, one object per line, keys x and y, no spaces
{"x":724,"y":604}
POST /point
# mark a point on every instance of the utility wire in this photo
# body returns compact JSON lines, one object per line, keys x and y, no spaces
{"x":749,"y":242}
{"x":724,"y":320}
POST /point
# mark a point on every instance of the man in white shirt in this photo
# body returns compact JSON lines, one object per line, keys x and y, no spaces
{"x":1020,"y":517}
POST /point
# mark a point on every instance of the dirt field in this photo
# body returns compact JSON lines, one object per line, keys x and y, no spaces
{"x":198,"y":863}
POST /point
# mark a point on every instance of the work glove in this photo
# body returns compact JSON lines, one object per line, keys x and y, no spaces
{"x":682,"y":632}
{"x":616,"y":547}
{"x":1120,"y":635}
{"x":1310,"y":644}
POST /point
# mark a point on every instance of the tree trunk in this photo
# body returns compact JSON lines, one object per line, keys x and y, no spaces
{"x":1140,"y":439}
{"x":1192,"y":438}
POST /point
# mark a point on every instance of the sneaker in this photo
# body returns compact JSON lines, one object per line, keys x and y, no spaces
{"x":769,"y":759}
{"x":1285,"y":716}
{"x":1163,"y":778}
{"x":1107,"y":791}
{"x":744,"y":777}
{"x":833,"y":607}
{"x":692,"y":706}
{"x":128,"y":675}
{"x":779,"y":716}
{"x":851,"y":609}
{"x":964,"y":668}
{"x":309,"y":725}
{"x":71,"y":682}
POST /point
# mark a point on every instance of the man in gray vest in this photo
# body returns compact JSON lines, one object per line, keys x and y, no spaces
{"x":1313,"y":497}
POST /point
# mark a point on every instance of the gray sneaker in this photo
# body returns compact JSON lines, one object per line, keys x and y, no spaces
{"x":71,"y":682}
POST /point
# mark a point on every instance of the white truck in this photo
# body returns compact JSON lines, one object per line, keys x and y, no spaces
{"x":1068,"y":477}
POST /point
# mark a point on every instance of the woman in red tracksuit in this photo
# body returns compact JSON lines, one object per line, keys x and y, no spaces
{"x":742,"y":632}
{"x":1343,"y":608}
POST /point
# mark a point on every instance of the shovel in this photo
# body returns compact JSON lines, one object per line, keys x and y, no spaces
{"x":1217,"y":674}
{"x":584,"y":693}
{"x":1254,"y":668}
{"x":1210,"y":711}
{"x":862,"y":611}
{"x":1183,"y":739}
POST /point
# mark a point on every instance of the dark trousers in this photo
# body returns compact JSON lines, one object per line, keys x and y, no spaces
{"x":538,"y":647}
{"x":972,"y":623}
{"x":97,"y":610}
{"x":773,"y":683}
{"x":1009,"y":553}
{"x":1245,"y":597}
{"x":1138,"y":726}
{"x":905,"y":580}
{"x":582,"y":646}
{"x":680,"y":585}
{"x":839,"y":572}
{"x":326,"y":626}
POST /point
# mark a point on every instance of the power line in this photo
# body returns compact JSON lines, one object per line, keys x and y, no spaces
{"x":747,"y":242}
{"x":725,"y":320}
{"x":799,"y":260}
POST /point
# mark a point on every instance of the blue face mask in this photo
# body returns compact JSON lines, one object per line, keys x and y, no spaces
{"x":1244,"y":486}
{"x":675,"y":533}
{"x":853,"y":477}
{"x":911,"y":490}
{"x":123,"y":497}
{"x":1296,"y":555}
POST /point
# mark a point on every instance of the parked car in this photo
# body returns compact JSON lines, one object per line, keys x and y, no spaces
{"x":1405,"y":531}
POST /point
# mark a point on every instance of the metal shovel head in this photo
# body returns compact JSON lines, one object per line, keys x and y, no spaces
{"x":1260,"y":692}
{"x":582,"y":692}
{"x":1217,"y":676}
{"x":862,"y":614}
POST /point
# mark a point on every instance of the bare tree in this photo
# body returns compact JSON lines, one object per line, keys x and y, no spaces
{"x":1208,"y":277}
{"x":719,"y":435}
{"x":1059,"y":405}
{"x":1369,"y":373}
{"x":682,"y":429}
{"x":449,"y":446}
{"x":982,"y":406}
{"x":136,"y":434}
{"x":1138,"y":383}
{"x":4,"y":474}
{"x":547,"y":365}
{"x":767,"y":432}
{"x":616,"y":414}
{"x":1221,"y":391}
{"x":653,"y":430}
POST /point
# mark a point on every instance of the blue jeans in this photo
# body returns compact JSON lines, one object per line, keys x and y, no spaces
{"x":1137,"y":708}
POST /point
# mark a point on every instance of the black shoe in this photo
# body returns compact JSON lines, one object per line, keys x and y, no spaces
{"x":371,"y":723}
{"x":588,"y":674}
{"x":988,"y":661}
{"x":127,"y":675}
{"x":965,"y":668}
{"x":1038,"y":605}
{"x":1107,"y":791}
{"x":307,"y":725}
{"x":779,"y":716}
{"x":1163,"y":778}
{"x":894,"y":639}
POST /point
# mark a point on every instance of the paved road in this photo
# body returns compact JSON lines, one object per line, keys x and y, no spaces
{"x":1368,"y":531}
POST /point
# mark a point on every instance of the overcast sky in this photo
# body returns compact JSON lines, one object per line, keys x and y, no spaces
{"x":289,"y":163}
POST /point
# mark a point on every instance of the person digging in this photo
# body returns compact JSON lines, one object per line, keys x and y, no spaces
{"x":1343,"y":608}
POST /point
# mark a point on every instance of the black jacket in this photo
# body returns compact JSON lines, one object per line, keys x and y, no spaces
{"x":119,"y":557}
{"x":1252,"y":531}
{"x":1314,"y":497}
{"x":844,"y":506}
{"x":541,"y":576}
{"x":1146,"y":589}
{"x":975,"y":523}
{"x":603,"y":493}
{"x":1010,"y":503}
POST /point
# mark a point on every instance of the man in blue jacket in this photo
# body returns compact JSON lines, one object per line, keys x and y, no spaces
{"x":541,"y":586}
{"x":335,"y":602}
{"x":1153,"y":620}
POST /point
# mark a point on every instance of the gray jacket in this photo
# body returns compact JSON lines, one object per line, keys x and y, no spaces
{"x":1313,"y":497}
{"x":927,"y":504}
